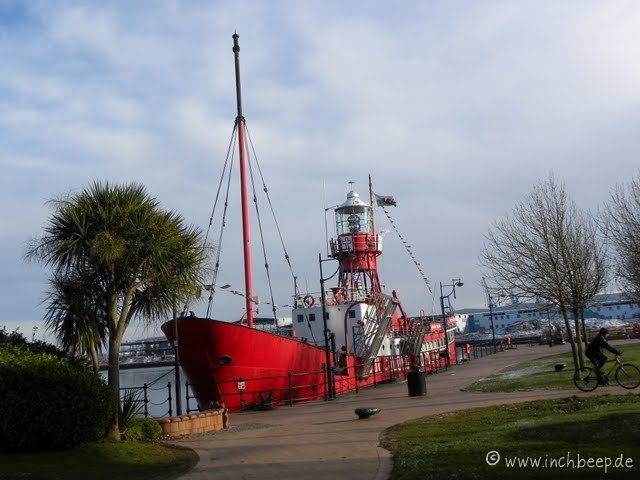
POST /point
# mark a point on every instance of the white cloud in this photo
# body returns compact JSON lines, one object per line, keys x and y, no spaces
{"x":456,"y":108}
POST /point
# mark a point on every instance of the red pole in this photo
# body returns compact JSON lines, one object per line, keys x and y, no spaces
{"x":245,"y":224}
{"x":243,"y":188}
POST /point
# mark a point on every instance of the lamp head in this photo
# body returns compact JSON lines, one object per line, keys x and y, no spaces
{"x":459,"y":283}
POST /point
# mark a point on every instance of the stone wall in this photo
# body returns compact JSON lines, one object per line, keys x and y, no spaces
{"x":207,"y":421}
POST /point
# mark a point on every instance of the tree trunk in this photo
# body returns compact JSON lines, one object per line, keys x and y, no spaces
{"x":115,"y":340}
{"x":584,"y":328}
{"x":579,"y":337}
{"x":93,"y":351}
{"x":574,"y":351}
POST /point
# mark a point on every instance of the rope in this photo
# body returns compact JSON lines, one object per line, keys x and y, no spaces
{"x":227,"y":172}
{"x":273,"y":215}
{"x":158,"y":379}
{"x":408,"y":249}
{"x":229,"y":164}
{"x":259,"y":220}
{"x":228,"y":289}
{"x":275,"y":220}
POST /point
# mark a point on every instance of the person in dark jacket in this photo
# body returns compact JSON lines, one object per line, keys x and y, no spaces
{"x":594,"y":352}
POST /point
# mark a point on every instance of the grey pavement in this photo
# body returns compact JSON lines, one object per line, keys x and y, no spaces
{"x":322,"y":440}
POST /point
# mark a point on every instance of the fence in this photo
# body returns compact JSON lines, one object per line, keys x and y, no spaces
{"x":142,"y":398}
{"x":154,"y":403}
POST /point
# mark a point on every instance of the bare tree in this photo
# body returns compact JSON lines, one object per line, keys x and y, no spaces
{"x":548,"y":249}
{"x":622,"y":221}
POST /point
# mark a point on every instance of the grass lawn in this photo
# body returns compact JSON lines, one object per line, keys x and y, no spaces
{"x":540,"y":373}
{"x":452,"y":445}
{"x":104,"y":460}
{"x":562,"y":435}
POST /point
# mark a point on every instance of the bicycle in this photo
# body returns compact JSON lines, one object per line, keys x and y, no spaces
{"x":626,"y":374}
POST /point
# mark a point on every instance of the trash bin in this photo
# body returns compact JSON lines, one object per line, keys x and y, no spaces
{"x":416,"y":382}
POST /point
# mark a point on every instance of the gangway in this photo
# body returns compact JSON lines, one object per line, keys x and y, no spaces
{"x":368,"y":337}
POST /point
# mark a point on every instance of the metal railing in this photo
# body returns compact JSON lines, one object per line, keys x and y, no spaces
{"x":384,"y":369}
{"x":144,"y":401}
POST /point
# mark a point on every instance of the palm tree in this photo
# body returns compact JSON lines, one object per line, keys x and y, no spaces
{"x":73,"y":316}
{"x":116,"y":256}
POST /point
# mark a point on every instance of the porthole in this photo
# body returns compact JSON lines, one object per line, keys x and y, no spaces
{"x":225,"y":360}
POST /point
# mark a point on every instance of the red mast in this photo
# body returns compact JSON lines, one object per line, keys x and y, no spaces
{"x":240,"y":125}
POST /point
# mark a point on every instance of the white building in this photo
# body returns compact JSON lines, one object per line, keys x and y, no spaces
{"x":605,"y":306}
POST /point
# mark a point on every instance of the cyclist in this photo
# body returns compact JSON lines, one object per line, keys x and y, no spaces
{"x":594,"y":353}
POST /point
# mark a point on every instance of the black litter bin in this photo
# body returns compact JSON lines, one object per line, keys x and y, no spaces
{"x":416,"y":382}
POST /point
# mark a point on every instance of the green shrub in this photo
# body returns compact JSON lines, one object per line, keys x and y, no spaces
{"x":49,"y":401}
{"x":132,"y":425}
{"x":130,"y":408}
{"x":38,"y":346}
{"x":142,"y":429}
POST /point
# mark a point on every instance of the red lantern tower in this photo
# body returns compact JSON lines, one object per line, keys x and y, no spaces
{"x":356,"y":247}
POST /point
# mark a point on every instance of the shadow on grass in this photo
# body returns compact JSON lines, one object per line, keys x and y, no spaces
{"x":113,"y":461}
{"x":614,"y":427}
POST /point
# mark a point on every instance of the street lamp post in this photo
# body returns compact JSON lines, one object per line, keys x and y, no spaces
{"x":493,"y":329}
{"x":176,"y":361}
{"x":454,"y":283}
{"x":330,"y":388}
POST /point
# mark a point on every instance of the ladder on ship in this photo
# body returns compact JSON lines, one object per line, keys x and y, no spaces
{"x":368,"y":337}
{"x":415,"y":337}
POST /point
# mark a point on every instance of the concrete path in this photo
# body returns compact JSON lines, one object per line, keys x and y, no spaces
{"x":325,"y":440}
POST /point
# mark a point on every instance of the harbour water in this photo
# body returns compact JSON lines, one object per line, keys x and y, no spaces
{"x":157,"y":380}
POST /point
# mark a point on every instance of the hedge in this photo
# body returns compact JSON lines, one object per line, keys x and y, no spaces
{"x":48,"y":401}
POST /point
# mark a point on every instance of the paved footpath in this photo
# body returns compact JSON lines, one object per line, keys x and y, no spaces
{"x":324,"y":440}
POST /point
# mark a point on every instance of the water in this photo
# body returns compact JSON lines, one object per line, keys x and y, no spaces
{"x":156,"y":379}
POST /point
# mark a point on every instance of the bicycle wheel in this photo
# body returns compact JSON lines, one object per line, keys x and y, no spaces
{"x":628,"y":376}
{"x":585,"y":379}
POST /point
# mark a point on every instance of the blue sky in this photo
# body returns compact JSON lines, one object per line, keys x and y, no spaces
{"x":454,"y":107}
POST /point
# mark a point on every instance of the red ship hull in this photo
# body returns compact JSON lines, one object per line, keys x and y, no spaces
{"x":237,"y":365}
{"x":244,"y":367}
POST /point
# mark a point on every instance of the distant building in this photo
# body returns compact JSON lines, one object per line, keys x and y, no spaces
{"x":155,"y":346}
{"x":606,"y":306}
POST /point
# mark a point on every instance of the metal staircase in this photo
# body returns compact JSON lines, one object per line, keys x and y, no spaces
{"x":368,"y":337}
{"x":415,"y":337}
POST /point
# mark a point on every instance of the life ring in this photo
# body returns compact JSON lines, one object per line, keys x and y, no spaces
{"x":309,"y":301}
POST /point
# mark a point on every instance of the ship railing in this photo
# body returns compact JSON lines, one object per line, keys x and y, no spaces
{"x":293,"y":390}
{"x":383,"y":369}
{"x":256,"y":395}
{"x":350,"y":296}
{"x":469,"y":350}
{"x":144,"y":400}
{"x":355,"y":242}
{"x":152,"y":402}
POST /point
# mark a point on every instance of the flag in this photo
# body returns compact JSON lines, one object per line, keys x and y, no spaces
{"x":385,"y":200}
